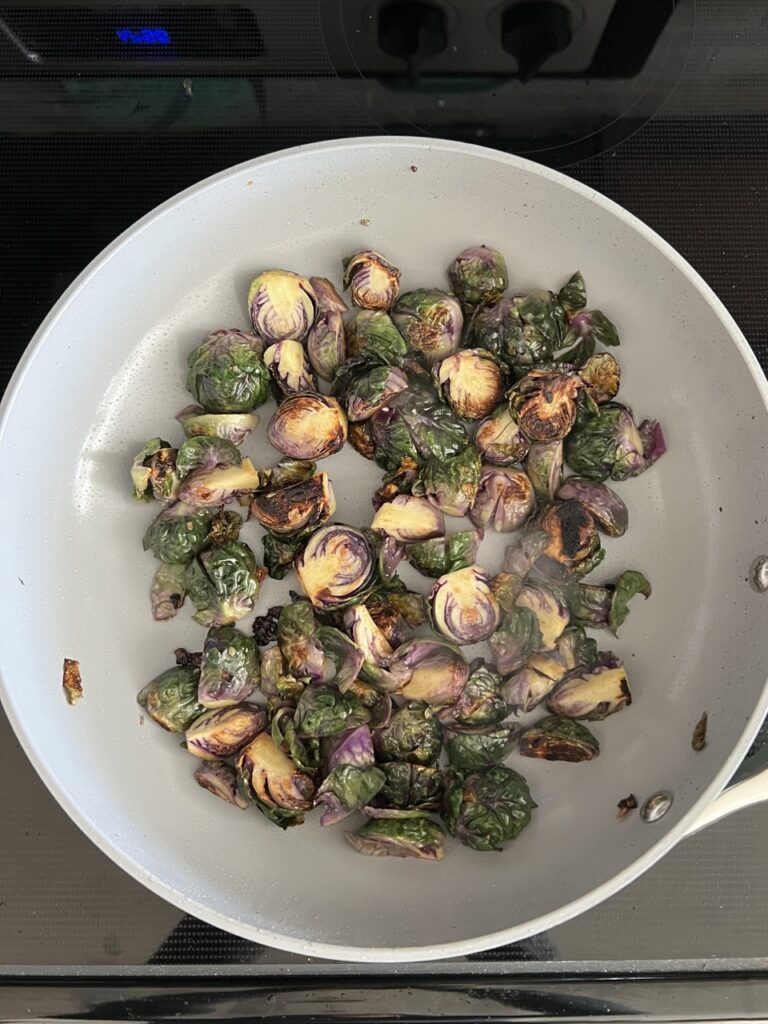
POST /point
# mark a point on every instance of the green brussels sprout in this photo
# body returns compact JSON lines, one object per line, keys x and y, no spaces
{"x":373,"y":282}
{"x":544,"y":404}
{"x":287,"y":362}
{"x":304,"y":753}
{"x":297,"y":507}
{"x":346,"y":789}
{"x":282,"y":305}
{"x":498,"y":328}
{"x":272,"y":668}
{"x":630,"y":583}
{"x":326,"y":345}
{"x":431,"y":323}
{"x":220,"y":779}
{"x":230,"y":426}
{"x":171,"y":698}
{"x":226,"y":372}
{"x":604,"y":505}
{"x":178,"y":533}
{"x":270,"y":779}
{"x":343,"y":658}
{"x":280,"y":553}
{"x":479,"y":748}
{"x":464,"y":608}
{"x":478,"y":274}
{"x":411,"y":736}
{"x":212,"y":487}
{"x":223,"y":584}
{"x":543,"y":321}
{"x":372,"y":335}
{"x":324,"y":711}
{"x":436,"y":671}
{"x":229,"y":669}
{"x":203,"y":452}
{"x":593,"y":695}
{"x":373,"y":391}
{"x":517,"y":637}
{"x":308,"y":426}
{"x":451,"y":483}
{"x":544,"y":467}
{"x":408,"y":519}
{"x":601,"y":375}
{"x":471,"y":382}
{"x":550,"y":610}
{"x":607,"y":443}
{"x":296,"y":638}
{"x":485,"y":808}
{"x":500,"y":440}
{"x":434,"y":429}
{"x":573,"y":295}
{"x":480,"y":703}
{"x":412,"y":837}
{"x":154,"y":472}
{"x":387,"y":440}
{"x":337,"y":567}
{"x":327,"y":298}
{"x":221,"y":733}
{"x":225,"y":527}
{"x":411,"y":786}
{"x":505,"y":499}
{"x":442,"y":555}
{"x":572,"y":533}
{"x":559,"y":739}
{"x":168,"y":591}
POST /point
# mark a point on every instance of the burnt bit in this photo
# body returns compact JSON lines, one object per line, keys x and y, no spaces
{"x":629,"y":803}
{"x":72,"y":681}
{"x":414,"y":168}
{"x":185,"y":657}
{"x":265,"y":626}
{"x":360,"y":438}
{"x":699,"y":738}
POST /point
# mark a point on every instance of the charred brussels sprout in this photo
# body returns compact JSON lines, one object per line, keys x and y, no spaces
{"x":154,"y":472}
{"x":409,"y":837}
{"x":550,"y":610}
{"x":431,"y":323}
{"x":225,"y":527}
{"x":451,"y":483}
{"x":287,"y":362}
{"x":324,"y":711}
{"x":226,"y":372}
{"x":443,"y":555}
{"x":308,"y":427}
{"x":171,"y":698}
{"x":559,"y":739}
{"x":223,"y":584}
{"x":572,"y":532}
{"x":544,"y":404}
{"x":281,"y":552}
{"x":221,"y":780}
{"x":282,"y":305}
{"x":483,"y":809}
{"x":411,"y":737}
{"x":601,"y":375}
{"x":478,"y":274}
{"x":326,"y":345}
{"x":479,"y":748}
{"x":212,"y":487}
{"x":471,"y":382}
{"x":270,"y":779}
{"x":505,"y":499}
{"x":593,"y":695}
{"x":372,"y":335}
{"x":337,"y":567}
{"x":229,"y":670}
{"x":500,"y":440}
{"x":230,"y":426}
{"x":607,"y":443}
{"x":296,"y":507}
{"x":373,"y":282}
{"x":168,"y":591}
{"x":464,"y":608}
{"x":408,"y":519}
{"x":411,"y":786}
{"x":544,"y":467}
{"x":372,"y":392}
{"x":480,"y":703}
{"x":346,"y":789}
{"x":223,"y":732}
{"x":178,"y":533}
{"x":296,"y":638}
{"x":436,"y":671}
{"x":517,"y":637}
{"x":288,"y":471}
{"x":604,"y":505}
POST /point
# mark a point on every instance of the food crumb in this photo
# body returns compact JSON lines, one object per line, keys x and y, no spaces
{"x":629,"y":803}
{"x":414,"y":168}
{"x":72,"y":682}
{"x":699,"y":738}
{"x":21,"y":581}
{"x":365,"y":221}
{"x":141,"y":719}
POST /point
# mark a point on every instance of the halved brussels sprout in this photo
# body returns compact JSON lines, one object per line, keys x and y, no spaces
{"x":282,"y":305}
{"x":409,"y":837}
{"x":436,"y":670}
{"x":223,"y":584}
{"x":229,"y":669}
{"x":505,"y":499}
{"x":354,"y":747}
{"x":343,"y":658}
{"x":154,"y":472}
{"x":226,"y":372}
{"x":337,"y":567}
{"x":559,"y":739}
{"x":270,"y":779}
{"x":411,"y":786}
{"x":601,"y":374}
{"x":408,"y":519}
{"x":220,"y":779}
{"x":572,"y":532}
{"x":373,"y":282}
{"x":442,"y":555}
{"x":550,"y":610}
{"x":607,"y":443}
{"x":205,"y":488}
{"x":280,"y":552}
{"x":327,"y":298}
{"x":527,"y":688}
{"x":221,"y":733}
{"x":520,"y":557}
{"x":471,"y":382}
{"x":287,"y":362}
{"x":346,"y":789}
{"x":604,"y":505}
{"x":479,"y":748}
{"x":431,"y":323}
{"x":326,"y":345}
{"x":480,"y":703}
{"x":544,"y":404}
{"x":178,"y":532}
{"x":324,"y":711}
{"x":367,"y":636}
{"x":303,"y":654}
{"x":544,"y":466}
{"x":464,"y":607}
{"x":202,"y":452}
{"x":499,"y":438}
{"x":411,"y":736}
{"x":296,"y":507}
{"x":168,"y":591}
{"x":360,"y":436}
{"x":372,"y":335}
{"x":451,"y":483}
{"x":308,"y":427}
{"x":573,"y":295}
{"x":272,"y":667}
{"x":485,"y":808}
{"x":593,"y":695}
{"x":288,"y":471}
{"x":478,"y":274}
{"x":170,"y":699}
{"x":231,"y":426}
{"x":517,"y":637}
{"x":387,"y":618}
{"x":372,"y":392}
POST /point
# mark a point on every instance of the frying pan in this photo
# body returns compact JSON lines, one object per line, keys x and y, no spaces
{"x":105,"y":371}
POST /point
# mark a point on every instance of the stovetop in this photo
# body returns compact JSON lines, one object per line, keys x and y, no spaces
{"x":107,"y":110}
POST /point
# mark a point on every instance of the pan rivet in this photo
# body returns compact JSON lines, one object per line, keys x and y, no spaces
{"x":656,"y":806}
{"x":758,"y":574}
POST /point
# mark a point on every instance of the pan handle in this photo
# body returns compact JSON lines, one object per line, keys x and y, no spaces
{"x":751,"y":791}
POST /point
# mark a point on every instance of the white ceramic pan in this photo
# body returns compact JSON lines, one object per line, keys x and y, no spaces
{"x":105,"y":371}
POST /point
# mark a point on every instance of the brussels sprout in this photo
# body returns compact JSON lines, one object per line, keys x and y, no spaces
{"x":288,"y":471}
{"x":296,"y":507}
{"x":270,"y":779}
{"x":226,"y":373}
{"x":178,"y":533}
{"x":327,"y":298}
{"x":411,"y":786}
{"x":372,"y":392}
{"x":367,"y":635}
{"x":372,"y":335}
{"x":201,"y":452}
{"x":601,"y":374}
{"x":464,"y":607}
{"x":604,"y":505}
{"x":577,"y":650}
{"x":480,"y":703}
{"x":479,"y":748}
{"x":626,"y":587}
{"x":485,"y":808}
{"x":505,"y":499}
{"x":520,"y":557}
{"x":210,"y":487}
{"x":171,"y":698}
{"x":308,"y":427}
{"x":391,"y":554}
{"x":304,"y":753}
{"x":168,"y":591}
{"x":443,"y":555}
{"x":544,"y":466}
{"x":506,"y":587}
{"x":229,"y":670}
{"x":221,"y":733}
{"x":543,"y":323}
{"x":373,"y":282}
{"x":281,"y":552}
{"x":410,"y":606}
{"x":593,"y":695}
{"x":230,"y":426}
{"x":154,"y":472}
{"x":360,"y":436}
{"x":544,"y":404}
{"x":498,"y":328}
{"x":478,"y":274}
{"x":398,"y":481}
{"x":590,"y":327}
{"x":343,"y":658}
{"x":301,"y":650}
{"x":451,"y":483}
{"x":355,"y":748}
{"x":500,"y":440}
{"x":223,"y":584}
{"x":326,"y":345}
{"x":408,"y":519}
{"x":471,"y":382}
{"x":411,"y":837}
{"x":272,"y":667}
{"x":550,"y":610}
{"x":289,"y":691}
{"x":220,"y":779}
{"x":431,"y":323}
{"x":337,"y":567}
{"x":411,"y":736}
{"x":435,"y":429}
{"x":527,"y":688}
{"x":346,"y":789}
{"x":387,"y":618}
{"x":517,"y":637}
{"x":324,"y":711}
{"x":282,"y":305}
{"x":572,"y":532}
{"x":559,"y":739}
{"x":436,"y":670}
{"x":287,"y":362}
{"x":607,"y":443}
{"x":573,"y":295}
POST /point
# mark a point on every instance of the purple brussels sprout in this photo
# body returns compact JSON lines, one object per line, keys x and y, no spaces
{"x":593,"y":695}
{"x":464,"y":607}
{"x":225,"y":731}
{"x":471,"y":382}
{"x":327,"y":298}
{"x":337,"y":568}
{"x":343,"y":658}
{"x":282,"y":305}
{"x":550,"y":610}
{"x":478,"y":274}
{"x":409,"y":519}
{"x":326,"y":345}
{"x":209,"y":488}
{"x":373,"y":391}
{"x":608,"y":443}
{"x":273,"y":781}
{"x":345,"y":789}
{"x":435,"y":671}
{"x":544,"y":466}
{"x":505,"y":500}
{"x":220,"y":779}
{"x":231,"y":426}
{"x":295,"y":508}
{"x":226,"y":373}
{"x":308,"y":427}
{"x":604,"y":505}
{"x":500,"y":440}
{"x":229,"y":667}
{"x":287,"y":362}
{"x":410,"y":837}
{"x":354,"y":747}
{"x":373,"y":282}
{"x":431,"y":322}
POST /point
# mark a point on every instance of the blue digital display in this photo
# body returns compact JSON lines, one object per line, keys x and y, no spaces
{"x":144,"y":36}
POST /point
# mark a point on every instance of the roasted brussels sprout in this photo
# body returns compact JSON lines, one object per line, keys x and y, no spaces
{"x":550,"y":610}
{"x":226,"y":526}
{"x":500,"y":440}
{"x":431,"y":323}
{"x":520,"y":557}
{"x":367,"y":636}
{"x":527,"y":688}
{"x":593,"y":695}
{"x":288,"y":471}
{"x":486,"y":808}
{"x":287,"y":362}
{"x":346,"y":789}
{"x":302,"y":651}
{"x":205,"y":488}
{"x":304,"y":753}
{"x":372,"y":392}
{"x":354,"y":747}
{"x":343,"y":658}
{"x":544,"y":404}
{"x":270,"y":779}
{"x":296,"y":507}
{"x":337,"y":567}
{"x":573,"y":295}
{"x":435,"y":429}
{"x":604,"y":505}
{"x":372,"y":335}
{"x":308,"y":427}
{"x":517,"y":637}
{"x":480,"y":703}
{"x":282,"y":305}
{"x":601,"y":374}
{"x":221,"y":733}
{"x":203,"y":452}
{"x":281,"y":552}
{"x":154,"y":472}
{"x":324,"y":711}
{"x":558,"y":739}
{"x":327,"y":298}
{"x":451,"y":483}
{"x":443,"y":555}
{"x":498,"y":328}
{"x":373,"y":282}
{"x":223,"y":584}
{"x":171,"y":698}
{"x":178,"y":533}
{"x":360,"y":436}
{"x":543,"y":321}
{"x":220,"y":779}
{"x":229,"y":670}
{"x":226,"y":372}
{"x":168,"y":591}
{"x":326,"y":345}
{"x":272,"y":667}
{"x":411,"y":736}
{"x":590,"y":327}
{"x":411,"y":786}
{"x":544,"y":466}
{"x":408,"y":519}
{"x":231,"y":426}
{"x":572,"y":532}
{"x":409,"y":837}
{"x":478,"y":274}
{"x":479,"y":748}
{"x":471,"y":382}
{"x":505,"y":499}
{"x":436,"y":670}
{"x":464,"y":608}
{"x":607,"y":443}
